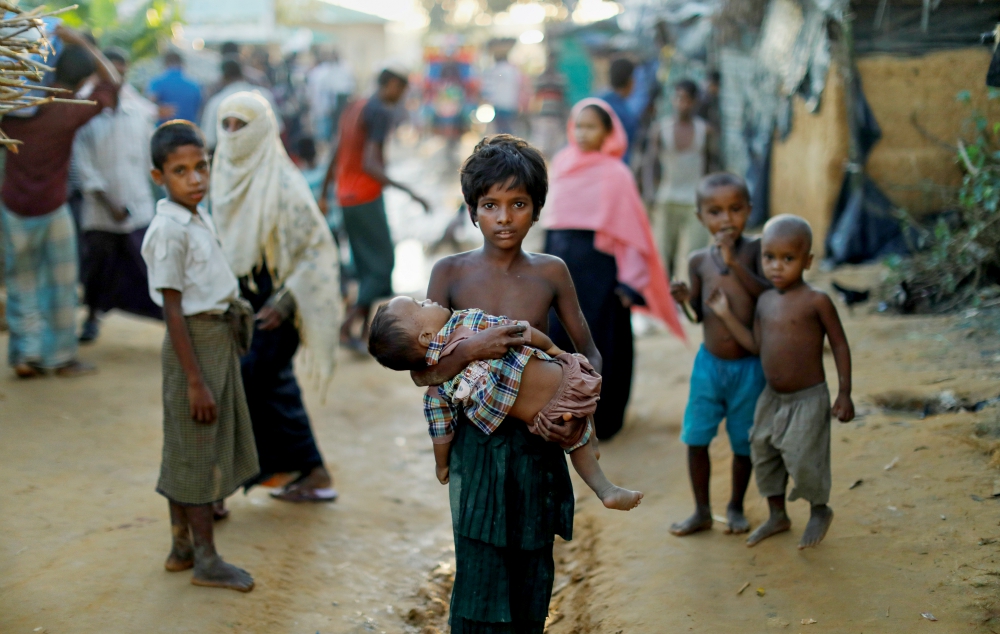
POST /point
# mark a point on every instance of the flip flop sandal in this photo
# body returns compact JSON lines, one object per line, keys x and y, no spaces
{"x":298,"y":494}
{"x":28,"y":371}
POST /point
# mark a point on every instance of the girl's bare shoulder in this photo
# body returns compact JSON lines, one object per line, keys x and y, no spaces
{"x":456,"y":263}
{"x":547,"y":265}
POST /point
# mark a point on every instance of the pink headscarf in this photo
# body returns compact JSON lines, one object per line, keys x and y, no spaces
{"x":595,"y":191}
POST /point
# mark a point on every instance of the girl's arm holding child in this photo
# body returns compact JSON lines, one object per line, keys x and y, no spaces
{"x":199,"y":396}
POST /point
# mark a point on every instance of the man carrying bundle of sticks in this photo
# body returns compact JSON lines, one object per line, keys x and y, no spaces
{"x":39,"y":236}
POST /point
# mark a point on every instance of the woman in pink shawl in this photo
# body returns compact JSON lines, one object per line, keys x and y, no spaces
{"x":597,"y":224}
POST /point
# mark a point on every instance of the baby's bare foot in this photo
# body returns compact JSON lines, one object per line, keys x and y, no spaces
{"x":777,"y":523}
{"x":179,"y":559}
{"x":621,"y":499}
{"x":215,"y":573}
{"x":736,"y":522}
{"x":700,"y":521}
{"x":819,"y":523}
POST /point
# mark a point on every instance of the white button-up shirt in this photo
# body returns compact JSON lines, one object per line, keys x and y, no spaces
{"x":182,"y":253}
{"x":111,"y":154}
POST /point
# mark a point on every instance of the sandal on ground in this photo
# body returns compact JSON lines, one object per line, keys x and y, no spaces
{"x":74,"y":369}
{"x":300,"y":494}
{"x":28,"y":370}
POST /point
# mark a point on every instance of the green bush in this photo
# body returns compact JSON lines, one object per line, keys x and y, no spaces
{"x":955,"y":262}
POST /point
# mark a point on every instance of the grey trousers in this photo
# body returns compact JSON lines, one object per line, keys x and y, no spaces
{"x":791,"y":437}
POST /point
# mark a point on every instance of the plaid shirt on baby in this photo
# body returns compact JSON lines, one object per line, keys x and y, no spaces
{"x":493,"y":394}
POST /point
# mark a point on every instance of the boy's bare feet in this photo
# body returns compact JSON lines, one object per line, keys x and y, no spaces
{"x":212,"y":572}
{"x":700,"y":521}
{"x":819,"y":523}
{"x":181,"y":555}
{"x":621,"y":499}
{"x":179,"y":559}
{"x":736,"y":522}
{"x":778,"y":522}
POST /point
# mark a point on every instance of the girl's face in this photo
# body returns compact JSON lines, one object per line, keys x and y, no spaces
{"x":505,"y":216}
{"x":590,"y":131}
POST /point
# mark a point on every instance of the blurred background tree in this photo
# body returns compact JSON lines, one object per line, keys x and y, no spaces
{"x":135,"y":25}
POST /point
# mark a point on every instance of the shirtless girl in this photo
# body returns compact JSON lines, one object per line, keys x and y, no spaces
{"x":510,"y":492}
{"x":791,"y":432}
{"x":726,"y":379}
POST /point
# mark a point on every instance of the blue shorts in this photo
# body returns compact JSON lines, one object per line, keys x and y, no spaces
{"x":722,"y":389}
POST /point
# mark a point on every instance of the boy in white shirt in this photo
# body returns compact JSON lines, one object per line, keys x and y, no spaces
{"x":208,"y":447}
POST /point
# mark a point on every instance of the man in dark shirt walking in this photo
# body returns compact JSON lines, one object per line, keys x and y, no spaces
{"x":38,"y":231}
{"x":622,"y":82}
{"x":358,"y":166}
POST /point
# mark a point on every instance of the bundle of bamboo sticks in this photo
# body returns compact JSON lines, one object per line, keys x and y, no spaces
{"x":22,"y":36}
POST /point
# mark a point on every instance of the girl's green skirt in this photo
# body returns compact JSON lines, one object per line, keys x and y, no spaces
{"x":510,"y":496}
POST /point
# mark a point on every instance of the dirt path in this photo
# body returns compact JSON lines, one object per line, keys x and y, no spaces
{"x":918,"y":537}
{"x":85,"y":535}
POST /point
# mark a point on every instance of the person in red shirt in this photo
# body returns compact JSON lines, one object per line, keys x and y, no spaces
{"x":358,"y":166}
{"x":39,"y":235}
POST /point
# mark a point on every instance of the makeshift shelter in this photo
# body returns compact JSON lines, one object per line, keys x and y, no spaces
{"x":899,"y":63}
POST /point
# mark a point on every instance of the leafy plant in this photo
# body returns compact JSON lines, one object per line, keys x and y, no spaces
{"x":959,"y":255}
{"x":135,"y":25}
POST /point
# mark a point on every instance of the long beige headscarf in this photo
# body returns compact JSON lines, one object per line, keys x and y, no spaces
{"x":264,"y":211}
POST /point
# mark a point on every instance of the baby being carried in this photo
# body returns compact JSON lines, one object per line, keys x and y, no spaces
{"x":534,"y":382}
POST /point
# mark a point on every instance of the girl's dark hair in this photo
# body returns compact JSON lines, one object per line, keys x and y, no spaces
{"x":170,"y":136}
{"x":508,"y":160}
{"x":603,"y":115}
{"x":391,"y":345}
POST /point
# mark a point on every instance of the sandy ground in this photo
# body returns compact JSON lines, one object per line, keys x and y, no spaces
{"x":917,"y":535}
{"x":85,"y":535}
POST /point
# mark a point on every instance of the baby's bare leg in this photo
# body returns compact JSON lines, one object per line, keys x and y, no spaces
{"x":181,"y":555}
{"x":209,"y":568}
{"x":614,"y":497}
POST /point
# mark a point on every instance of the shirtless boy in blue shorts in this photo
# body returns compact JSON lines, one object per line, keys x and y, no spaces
{"x":727,"y":379}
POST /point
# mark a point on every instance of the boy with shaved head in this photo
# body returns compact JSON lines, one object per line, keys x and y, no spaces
{"x":791,"y":431}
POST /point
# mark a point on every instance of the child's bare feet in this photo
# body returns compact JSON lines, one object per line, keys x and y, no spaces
{"x":778,"y":522}
{"x":700,"y":521}
{"x":819,"y":523}
{"x":179,"y":559}
{"x":736,"y":522}
{"x":181,"y":555}
{"x":212,"y":572}
{"x":621,"y":499}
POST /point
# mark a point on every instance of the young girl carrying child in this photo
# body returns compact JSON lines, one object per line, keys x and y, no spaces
{"x":510,"y":490}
